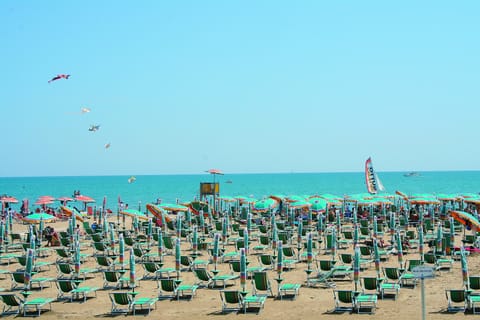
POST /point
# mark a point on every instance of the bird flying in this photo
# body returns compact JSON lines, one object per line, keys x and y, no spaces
{"x":59,"y":76}
{"x":107,"y":145}
{"x":85,"y":110}
{"x":94,"y":127}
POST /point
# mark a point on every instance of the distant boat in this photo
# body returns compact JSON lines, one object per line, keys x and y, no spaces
{"x":229,"y":181}
{"x":412,"y":174}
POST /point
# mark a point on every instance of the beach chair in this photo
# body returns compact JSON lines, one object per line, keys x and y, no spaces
{"x":344,"y":300}
{"x":114,"y":279}
{"x":339,"y":271}
{"x":474,"y":285}
{"x":12,"y":304}
{"x":121,"y":302}
{"x":260,"y":282}
{"x":37,"y":304}
{"x":457,"y":300}
{"x":65,"y":269}
{"x":70,"y":287}
{"x":37,"y":265}
{"x":143,"y":303}
{"x":231,"y":300}
{"x":289,"y":289}
{"x":151,"y":270}
{"x":289,"y":261}
{"x":437,"y":262}
{"x":266,"y":260}
{"x":204,"y":278}
{"x":363,"y":301}
{"x":191,"y":264}
{"x":104,"y":262}
{"x":18,"y":279}
{"x":322,"y":278}
{"x":177,"y":290}
{"x":391,"y":285}
{"x":371,"y":285}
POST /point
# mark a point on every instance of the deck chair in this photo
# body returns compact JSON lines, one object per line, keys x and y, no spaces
{"x":371,"y":285}
{"x":143,"y":303}
{"x":114,"y":279}
{"x":344,"y":300}
{"x":235,"y":267}
{"x":176,"y":290}
{"x":69,"y":287}
{"x":65,"y":269}
{"x":339,"y":271}
{"x":438,"y":262}
{"x":12,"y":304}
{"x":252,"y":301}
{"x":37,"y":304}
{"x":457,"y":300}
{"x":366,"y":301}
{"x":204,"y":278}
{"x":266,"y":260}
{"x":231,"y":300}
{"x":151,"y":270}
{"x":121,"y":302}
{"x":18,"y":278}
{"x":391,"y":285}
{"x":37,"y":265}
{"x":260,"y":282}
{"x":191,"y":264}
{"x":289,"y":289}
{"x":104,"y":262}
{"x":474,"y":285}
{"x":322,"y":278}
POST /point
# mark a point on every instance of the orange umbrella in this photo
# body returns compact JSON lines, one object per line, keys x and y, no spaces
{"x":83,"y":198}
{"x":215,"y":171}
{"x":8,"y":199}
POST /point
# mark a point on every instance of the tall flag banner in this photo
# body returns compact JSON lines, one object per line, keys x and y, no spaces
{"x":374,"y":185}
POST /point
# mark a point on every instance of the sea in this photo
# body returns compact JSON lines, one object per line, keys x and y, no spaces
{"x":184,"y":188}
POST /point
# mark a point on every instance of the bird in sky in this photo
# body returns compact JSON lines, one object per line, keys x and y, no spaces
{"x":59,"y":76}
{"x":85,"y":110}
{"x":107,"y":145}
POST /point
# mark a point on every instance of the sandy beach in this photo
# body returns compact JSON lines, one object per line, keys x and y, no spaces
{"x":311,"y":303}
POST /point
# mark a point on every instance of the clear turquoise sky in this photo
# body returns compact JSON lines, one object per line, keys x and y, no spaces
{"x":244,"y":86}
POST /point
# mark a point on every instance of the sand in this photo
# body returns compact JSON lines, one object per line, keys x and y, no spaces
{"x":311,"y":303}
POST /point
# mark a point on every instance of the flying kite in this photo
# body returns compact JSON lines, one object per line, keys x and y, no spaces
{"x":107,"y":145}
{"x":131,"y":179}
{"x":94,"y":127}
{"x":59,"y":76}
{"x":85,"y":110}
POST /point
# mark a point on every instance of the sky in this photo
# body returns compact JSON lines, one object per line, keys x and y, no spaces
{"x":179,"y":87}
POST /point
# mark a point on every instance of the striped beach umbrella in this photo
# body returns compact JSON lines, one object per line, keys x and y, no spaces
{"x":320,"y":225}
{"x":464,"y":268}
{"x":32,"y":240}
{"x":392,"y":224}
{"x":188,"y":218}
{"x":160,"y":244}
{"x":149,"y":232}
{"x":243,"y":268}
{"x":132,"y":269}
{"x":76,"y":259}
{"x":355,"y":214}
{"x":375,"y":227}
{"x":273,"y":222}
{"x":40,"y":231}
{"x":71,"y":231}
{"x":202,"y":222}
{"x":249,"y":222}
{"x":338,"y":221}
{"x":246,"y":240}
{"x":225,"y":230}
{"x":356,"y":267}
{"x":2,"y":233}
{"x":280,"y":259}
{"x":399,"y":249}
{"x":216,"y":242}
{"x":309,"y":250}
{"x":420,"y":243}
{"x":178,"y":254}
{"x":136,"y":227}
{"x":112,"y":239}
{"x":376,"y":256}
{"x":356,"y":235}
{"x":299,"y":234}
{"x":274,"y":237}
{"x":194,"y":240}
{"x":309,"y":217}
{"x":105,"y":226}
{"x":28,"y":269}
{"x":121,"y":250}
{"x":334,"y":243}
{"x":449,"y":248}
{"x":179,"y":225}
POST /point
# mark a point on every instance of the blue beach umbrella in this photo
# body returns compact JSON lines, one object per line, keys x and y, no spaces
{"x":399,"y":249}
{"x":121,"y":250}
{"x":243,"y":269}
{"x":246,"y":240}
{"x":356,"y":266}
{"x":420,"y":243}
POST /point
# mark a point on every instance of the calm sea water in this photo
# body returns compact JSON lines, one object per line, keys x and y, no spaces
{"x":185,"y":187}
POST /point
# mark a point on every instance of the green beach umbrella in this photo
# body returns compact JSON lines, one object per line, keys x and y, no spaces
{"x":178,"y":254}
{"x":274,"y":237}
{"x":356,"y":266}
{"x":246,"y":241}
{"x":309,"y":250}
{"x":202,"y":222}
{"x":132,"y":269}
{"x":356,"y":235}
{"x":149,"y":232}
{"x":2,"y":233}
{"x":334,"y":243}
{"x":299,"y":234}
{"x":121,"y":250}
{"x":76,"y":259}
{"x":135,"y":225}
{"x":179,"y":226}
{"x":279,"y":259}
{"x":273,"y":222}
{"x":420,"y":243}
{"x":377,"y":256}
{"x":32,"y":241}
{"x":375,"y":227}
{"x":249,"y":222}
{"x":338,"y":221}
{"x":194,"y":240}
{"x":464,"y":268}
{"x":225,"y":230}
{"x":439,"y":238}
{"x":36,"y":217}
{"x":28,"y":269}
{"x":243,"y":269}
{"x":320,"y":225}
{"x":112,"y":239}
{"x":216,"y":242}
{"x":188,"y":218}
{"x":399,"y":249}
{"x":41,"y":227}
{"x":160,"y":244}
{"x":309,"y":218}
{"x":449,"y":248}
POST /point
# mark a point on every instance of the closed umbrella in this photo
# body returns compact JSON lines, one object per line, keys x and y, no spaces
{"x":202,"y":222}
{"x":149,"y":232}
{"x":334,"y":243}
{"x":356,"y":266}
{"x":449,"y":248}
{"x":249,"y":222}
{"x":356,"y":235}
{"x":179,"y":225}
{"x":177,"y":257}
{"x":225,"y":230}
{"x":439,"y":239}
{"x":112,"y":240}
{"x":194,"y":240}
{"x":40,"y":231}
{"x":338,"y":221}
{"x":216,"y":242}
{"x":2,"y":233}
{"x":160,"y":244}
{"x":377,"y":256}
{"x":132,"y":269}
{"x":280,"y":259}
{"x":464,"y":268}
{"x":243,"y":269}
{"x":274,"y":237}
{"x":420,"y":243}
{"x":188,"y":218}
{"x":28,"y":269}
{"x":375,"y":227}
{"x":135,"y":225}
{"x":399,"y":249}
{"x":299,"y":236}
{"x":309,"y":250}
{"x":77,"y":260}
{"x":320,"y":225}
{"x":121,"y":250}
{"x":246,"y":240}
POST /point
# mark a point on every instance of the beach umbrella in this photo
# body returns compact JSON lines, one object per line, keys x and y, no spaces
{"x":160,"y":244}
{"x":356,"y":266}
{"x":334,"y":243}
{"x":36,"y":217}
{"x":377,"y":256}
{"x":216,"y":242}
{"x":249,"y":222}
{"x":309,"y":217}
{"x":40,"y":231}
{"x":280,"y":259}
{"x":243,"y":269}
{"x":466,"y":219}
{"x":112,"y":239}
{"x":2,"y":233}
{"x":420,"y":243}
{"x":338,"y":221}
{"x":274,"y":237}
{"x":439,"y":238}
{"x":309,"y":250}
{"x":356,"y":235}
{"x":134,"y":213}
{"x":194,"y":240}
{"x":399,"y":249}
{"x":375,"y":227}
{"x":225,"y":230}
{"x":32,"y":240}
{"x":464,"y":268}
{"x":273,"y":222}
{"x":318,"y":204}
{"x":105,"y":226}
{"x":177,"y":257}
{"x":449,"y":247}
{"x":245,"y":240}
{"x":135,"y":225}
{"x":202,"y":223}
{"x":71,"y":231}
{"x":188,"y":218}
{"x":76,"y":259}
{"x":121,"y":250}
{"x":299,"y":235}
{"x":132,"y":269}
{"x":28,"y":269}
{"x":392,"y":224}
{"x":355,"y":215}
{"x":320,"y":224}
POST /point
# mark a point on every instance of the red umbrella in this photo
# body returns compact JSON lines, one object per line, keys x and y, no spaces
{"x":43,"y":201}
{"x":65,"y":199}
{"x":215,"y":171}
{"x":8,"y":199}
{"x":83,"y":198}
{"x":46,"y":198}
